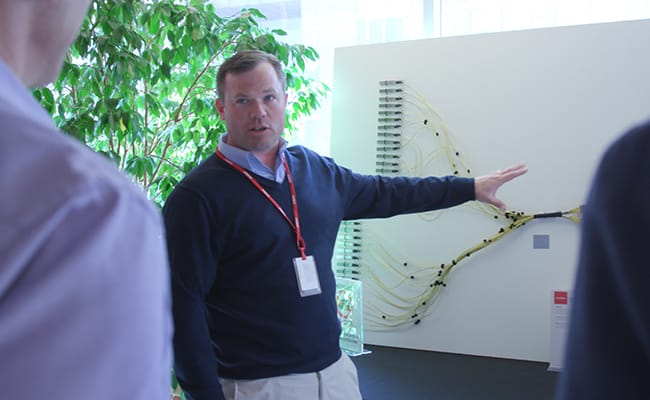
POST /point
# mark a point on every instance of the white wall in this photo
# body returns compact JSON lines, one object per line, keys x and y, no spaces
{"x":553,"y":98}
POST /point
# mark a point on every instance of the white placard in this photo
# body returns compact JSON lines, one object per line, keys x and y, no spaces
{"x":559,"y":327}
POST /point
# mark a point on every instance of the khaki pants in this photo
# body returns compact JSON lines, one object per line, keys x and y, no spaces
{"x":339,"y":381}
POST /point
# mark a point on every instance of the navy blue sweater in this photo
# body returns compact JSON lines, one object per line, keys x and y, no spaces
{"x":608,"y":346}
{"x":237,"y":309}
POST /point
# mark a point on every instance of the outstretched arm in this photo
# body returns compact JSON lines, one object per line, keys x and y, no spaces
{"x":486,"y":186}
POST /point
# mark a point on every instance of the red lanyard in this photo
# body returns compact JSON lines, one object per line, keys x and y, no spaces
{"x":294,"y":200}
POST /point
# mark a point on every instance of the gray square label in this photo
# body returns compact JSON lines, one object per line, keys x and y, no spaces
{"x":541,"y":241}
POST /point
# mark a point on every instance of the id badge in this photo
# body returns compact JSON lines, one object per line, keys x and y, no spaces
{"x":307,"y":276}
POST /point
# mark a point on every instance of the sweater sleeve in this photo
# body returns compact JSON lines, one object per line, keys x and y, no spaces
{"x":193,"y":263}
{"x":368,"y":196}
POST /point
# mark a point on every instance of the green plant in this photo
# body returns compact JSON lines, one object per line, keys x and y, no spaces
{"x":138,"y":85}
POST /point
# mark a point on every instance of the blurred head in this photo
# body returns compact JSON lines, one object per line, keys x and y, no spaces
{"x":35,"y":35}
{"x":252,"y":101}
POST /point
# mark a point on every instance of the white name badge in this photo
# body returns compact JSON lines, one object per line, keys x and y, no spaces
{"x":308,"y":283}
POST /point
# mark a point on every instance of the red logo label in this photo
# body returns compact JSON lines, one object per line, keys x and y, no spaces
{"x":560,"y":297}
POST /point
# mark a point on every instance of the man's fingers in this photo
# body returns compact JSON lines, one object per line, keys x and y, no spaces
{"x":513,"y":172}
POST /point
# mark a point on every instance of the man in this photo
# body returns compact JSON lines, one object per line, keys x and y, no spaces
{"x":250,"y":236}
{"x":608,"y":347}
{"x":84,"y":297}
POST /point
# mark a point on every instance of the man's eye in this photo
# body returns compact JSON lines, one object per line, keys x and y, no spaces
{"x":270,"y":97}
{"x":241,"y":101}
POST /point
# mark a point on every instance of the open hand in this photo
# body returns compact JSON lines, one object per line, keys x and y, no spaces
{"x":486,"y":186}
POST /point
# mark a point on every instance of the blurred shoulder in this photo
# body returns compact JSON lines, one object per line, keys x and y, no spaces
{"x":622,"y":179}
{"x":46,"y":171}
{"x":630,"y":148}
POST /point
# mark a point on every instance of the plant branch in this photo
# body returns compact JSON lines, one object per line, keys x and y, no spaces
{"x":194,"y":83}
{"x":146,"y":118}
{"x":176,"y":116}
{"x":162,"y":158}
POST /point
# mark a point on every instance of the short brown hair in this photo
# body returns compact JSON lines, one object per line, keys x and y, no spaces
{"x":245,"y":61}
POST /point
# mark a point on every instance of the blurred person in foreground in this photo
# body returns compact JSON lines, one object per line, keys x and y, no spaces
{"x":85,"y":311}
{"x":607,"y":352}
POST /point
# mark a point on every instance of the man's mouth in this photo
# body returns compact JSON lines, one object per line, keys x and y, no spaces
{"x":259,"y":129}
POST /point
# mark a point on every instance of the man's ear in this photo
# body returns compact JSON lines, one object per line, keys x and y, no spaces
{"x":220,"y":108}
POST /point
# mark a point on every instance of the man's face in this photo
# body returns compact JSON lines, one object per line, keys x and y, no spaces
{"x":254,"y":109}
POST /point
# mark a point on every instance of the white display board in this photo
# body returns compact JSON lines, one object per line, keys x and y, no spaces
{"x":552,"y":98}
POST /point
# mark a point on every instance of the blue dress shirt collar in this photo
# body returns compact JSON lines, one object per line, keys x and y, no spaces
{"x":248,"y":161}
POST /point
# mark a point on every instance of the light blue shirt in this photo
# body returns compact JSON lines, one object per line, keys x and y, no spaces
{"x":249,"y":162}
{"x":84,"y":281}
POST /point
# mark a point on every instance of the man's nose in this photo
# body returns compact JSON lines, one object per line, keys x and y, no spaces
{"x":258,"y":109}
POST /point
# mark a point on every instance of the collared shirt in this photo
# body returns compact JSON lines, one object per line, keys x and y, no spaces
{"x":248,"y":161}
{"x":84,"y":282}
